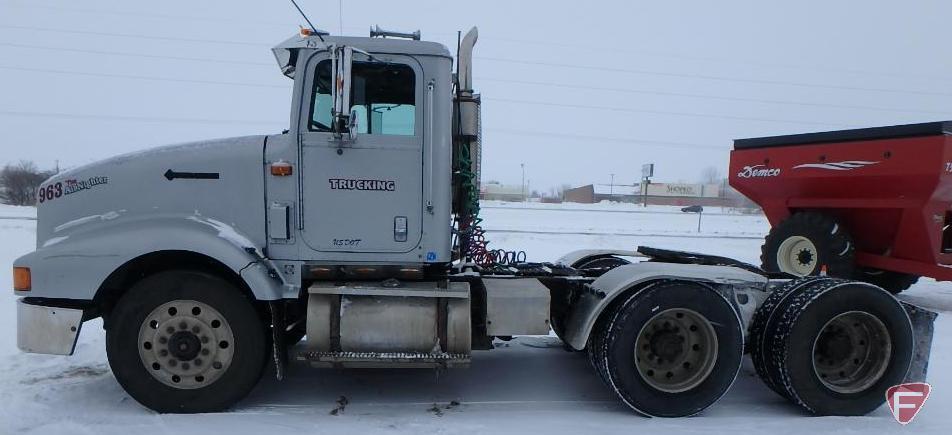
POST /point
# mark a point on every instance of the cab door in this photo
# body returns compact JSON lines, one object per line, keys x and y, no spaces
{"x":363,"y":193}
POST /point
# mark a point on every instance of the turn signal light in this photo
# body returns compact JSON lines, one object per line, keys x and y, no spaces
{"x":21,"y":279}
{"x":281,"y":169}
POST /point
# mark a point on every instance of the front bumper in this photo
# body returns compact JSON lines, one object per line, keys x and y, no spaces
{"x":47,"y":329}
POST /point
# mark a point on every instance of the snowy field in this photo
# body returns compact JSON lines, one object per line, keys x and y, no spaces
{"x":529,"y":385}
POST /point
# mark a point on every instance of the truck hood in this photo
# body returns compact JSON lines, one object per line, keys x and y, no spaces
{"x":218,"y":179}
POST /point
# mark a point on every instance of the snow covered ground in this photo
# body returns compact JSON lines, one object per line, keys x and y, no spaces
{"x":529,"y":385}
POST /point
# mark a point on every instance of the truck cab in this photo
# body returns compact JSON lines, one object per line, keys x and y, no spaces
{"x":378,"y":193}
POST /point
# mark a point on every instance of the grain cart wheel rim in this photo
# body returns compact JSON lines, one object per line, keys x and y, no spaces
{"x":186,"y":344}
{"x":675,"y":350}
{"x":851,"y":352}
{"x":797,"y":255}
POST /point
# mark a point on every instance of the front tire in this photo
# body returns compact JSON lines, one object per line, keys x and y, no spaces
{"x":670,"y":350}
{"x":186,"y":342}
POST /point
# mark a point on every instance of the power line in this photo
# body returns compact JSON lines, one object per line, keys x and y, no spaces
{"x":546,"y":43}
{"x":142,"y":55}
{"x":709,"y":97}
{"x":504,"y":100}
{"x":133,"y":35}
{"x":141,"y":77}
{"x":591,"y":48}
{"x":522,"y":62}
{"x":149,"y":15}
{"x":708,"y":77}
{"x":128,"y":118}
{"x":174,"y":120}
{"x":663,"y":112}
{"x":512,"y":81}
{"x":645,"y":142}
{"x":521,"y":82}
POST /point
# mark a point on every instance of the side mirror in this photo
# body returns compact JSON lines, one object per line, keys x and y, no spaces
{"x":341,"y":61}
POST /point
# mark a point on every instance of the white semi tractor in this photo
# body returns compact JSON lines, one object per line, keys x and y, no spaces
{"x":352,"y":239}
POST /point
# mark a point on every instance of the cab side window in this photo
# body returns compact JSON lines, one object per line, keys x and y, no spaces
{"x":383,"y":94}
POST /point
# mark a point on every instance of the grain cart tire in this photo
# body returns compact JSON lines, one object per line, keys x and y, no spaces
{"x":838,"y":346}
{"x":186,"y":342}
{"x":671,"y":350}
{"x":764,"y":324}
{"x":893,"y":282}
{"x":806,"y":241}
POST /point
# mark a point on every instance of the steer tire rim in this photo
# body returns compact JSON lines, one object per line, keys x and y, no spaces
{"x":676,"y":350}
{"x":186,"y":344}
{"x":851,"y":352}
{"x":797,"y":255}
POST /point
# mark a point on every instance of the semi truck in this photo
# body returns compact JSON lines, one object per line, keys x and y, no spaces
{"x":353,"y":239}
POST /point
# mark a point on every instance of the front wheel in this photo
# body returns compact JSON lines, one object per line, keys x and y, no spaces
{"x":670,"y":350}
{"x":184,"y":341}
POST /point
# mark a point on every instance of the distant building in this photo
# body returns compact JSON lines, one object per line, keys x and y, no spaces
{"x":658,"y":193}
{"x":495,"y":191}
{"x":593,"y":193}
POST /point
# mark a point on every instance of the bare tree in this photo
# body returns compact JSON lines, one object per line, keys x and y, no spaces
{"x":711,"y":175}
{"x":18,"y":183}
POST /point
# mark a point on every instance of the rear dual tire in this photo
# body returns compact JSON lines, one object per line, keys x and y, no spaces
{"x":831,"y":346}
{"x":669,"y":350}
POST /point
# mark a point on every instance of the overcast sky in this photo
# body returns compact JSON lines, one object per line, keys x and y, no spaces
{"x":575,"y":90}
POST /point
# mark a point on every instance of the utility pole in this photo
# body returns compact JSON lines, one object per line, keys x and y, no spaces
{"x":523,"y":165}
{"x":611,"y":187}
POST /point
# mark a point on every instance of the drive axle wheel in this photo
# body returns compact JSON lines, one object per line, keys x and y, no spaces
{"x":184,"y":341}
{"x":833,"y":346}
{"x":672,"y":352}
{"x":851,"y":352}
{"x":669,"y":350}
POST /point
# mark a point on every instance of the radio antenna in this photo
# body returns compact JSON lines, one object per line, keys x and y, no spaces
{"x":309,"y":23}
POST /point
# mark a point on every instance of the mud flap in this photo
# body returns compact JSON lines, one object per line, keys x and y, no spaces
{"x":279,"y":347}
{"x":923,"y":327}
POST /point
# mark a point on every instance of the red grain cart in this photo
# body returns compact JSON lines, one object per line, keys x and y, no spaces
{"x":870,"y":204}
